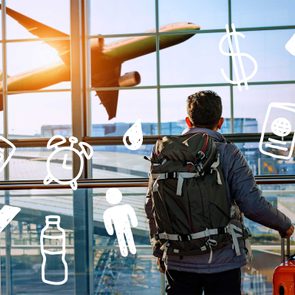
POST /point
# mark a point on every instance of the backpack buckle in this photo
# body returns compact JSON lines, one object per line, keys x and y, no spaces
{"x":184,"y":238}
{"x":171,"y":175}
{"x":201,"y":155}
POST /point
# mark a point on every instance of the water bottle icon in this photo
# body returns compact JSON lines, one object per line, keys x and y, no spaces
{"x":54,"y":269}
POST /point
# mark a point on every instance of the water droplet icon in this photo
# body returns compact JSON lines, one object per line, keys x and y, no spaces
{"x":133,"y":137}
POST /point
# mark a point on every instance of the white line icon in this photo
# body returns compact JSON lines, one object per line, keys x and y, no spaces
{"x":238,"y":65}
{"x":117,"y":217}
{"x":133,"y":137}
{"x":3,"y":162}
{"x":66,"y":153}
{"x":280,"y":117}
{"x":7,"y":213}
{"x":290,"y":45}
{"x":53,"y":247}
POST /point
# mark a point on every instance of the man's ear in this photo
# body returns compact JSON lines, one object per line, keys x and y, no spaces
{"x":220,"y":122}
{"x":188,"y":122}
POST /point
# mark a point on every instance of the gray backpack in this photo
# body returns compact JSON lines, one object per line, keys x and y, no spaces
{"x":191,"y":207}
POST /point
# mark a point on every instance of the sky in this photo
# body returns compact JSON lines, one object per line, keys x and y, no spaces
{"x":197,"y":60}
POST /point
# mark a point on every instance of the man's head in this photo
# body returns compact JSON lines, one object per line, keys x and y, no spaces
{"x":204,"y":109}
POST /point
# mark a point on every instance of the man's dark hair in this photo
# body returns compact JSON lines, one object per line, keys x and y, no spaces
{"x":204,"y":109}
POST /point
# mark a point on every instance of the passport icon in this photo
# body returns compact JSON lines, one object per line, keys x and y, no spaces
{"x":280,"y":119}
{"x":3,"y":161}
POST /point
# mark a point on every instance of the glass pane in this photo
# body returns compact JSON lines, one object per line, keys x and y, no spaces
{"x":1,"y":23}
{"x":253,"y":103}
{"x":266,"y":242}
{"x":129,"y":16}
{"x":136,"y":273}
{"x":116,"y":161}
{"x":263,"y":13}
{"x":34,"y":66}
{"x":23,"y":238}
{"x":123,"y":62}
{"x":261,"y":164}
{"x":132,"y":105}
{"x":40,"y":11}
{"x":199,"y":12}
{"x":30,"y":164}
{"x":173,"y":108}
{"x":1,"y":97}
{"x":268,"y":49}
{"x":1,"y":122}
{"x":194,"y":61}
{"x":48,"y":109}
{"x":132,"y":275}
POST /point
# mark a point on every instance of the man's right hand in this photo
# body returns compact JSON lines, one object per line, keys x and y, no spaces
{"x":161,"y":265}
{"x":288,"y":233}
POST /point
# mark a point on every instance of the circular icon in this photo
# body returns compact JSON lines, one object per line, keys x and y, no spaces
{"x":65,"y":153}
{"x":281,"y":127}
{"x":113,"y":196}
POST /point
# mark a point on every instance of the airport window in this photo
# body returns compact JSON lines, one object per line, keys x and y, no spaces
{"x":198,"y":12}
{"x":129,"y":17}
{"x":264,"y":13}
{"x":20,"y":106}
{"x":137,"y":60}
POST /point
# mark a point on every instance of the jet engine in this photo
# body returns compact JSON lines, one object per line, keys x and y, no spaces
{"x":129,"y":79}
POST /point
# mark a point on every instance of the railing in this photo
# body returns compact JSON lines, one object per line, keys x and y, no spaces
{"x":122,"y":182}
{"x":136,"y":183}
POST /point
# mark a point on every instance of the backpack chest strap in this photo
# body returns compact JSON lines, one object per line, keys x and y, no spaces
{"x":202,"y":234}
{"x":180,"y":178}
{"x":231,"y":229}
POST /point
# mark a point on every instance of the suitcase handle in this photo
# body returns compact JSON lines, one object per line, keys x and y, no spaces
{"x":285,"y":250}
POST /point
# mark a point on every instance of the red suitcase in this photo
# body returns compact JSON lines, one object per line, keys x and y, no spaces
{"x":284,"y":274}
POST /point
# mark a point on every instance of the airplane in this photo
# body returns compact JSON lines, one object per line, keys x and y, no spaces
{"x":106,"y":60}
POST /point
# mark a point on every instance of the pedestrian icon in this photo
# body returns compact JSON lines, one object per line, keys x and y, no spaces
{"x":117,"y":218}
{"x":65,"y":153}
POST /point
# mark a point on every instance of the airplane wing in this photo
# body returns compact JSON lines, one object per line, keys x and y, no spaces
{"x":109,"y":100}
{"x":108,"y":78}
{"x":37,"y":79}
{"x":43,"y":31}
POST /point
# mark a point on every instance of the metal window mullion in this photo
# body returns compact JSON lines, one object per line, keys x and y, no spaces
{"x":36,"y":40}
{"x":158,"y":66}
{"x":82,"y":203}
{"x":8,"y":271}
{"x":232,"y":121}
{"x":87,"y":81}
{"x":206,"y":31}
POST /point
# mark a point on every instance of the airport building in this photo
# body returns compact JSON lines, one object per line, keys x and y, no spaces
{"x":77,"y":76}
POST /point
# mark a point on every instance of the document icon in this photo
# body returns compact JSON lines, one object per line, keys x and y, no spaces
{"x":4,"y":162}
{"x":7,"y":213}
{"x":280,"y":119}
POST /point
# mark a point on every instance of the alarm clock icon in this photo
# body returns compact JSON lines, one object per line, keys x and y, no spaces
{"x":65,"y":153}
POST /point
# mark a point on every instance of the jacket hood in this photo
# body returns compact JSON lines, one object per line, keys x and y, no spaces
{"x":214,"y":134}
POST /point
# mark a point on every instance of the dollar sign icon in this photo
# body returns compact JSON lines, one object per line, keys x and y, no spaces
{"x":237,"y":58}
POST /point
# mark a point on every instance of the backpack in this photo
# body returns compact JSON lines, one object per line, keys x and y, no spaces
{"x":190,"y":204}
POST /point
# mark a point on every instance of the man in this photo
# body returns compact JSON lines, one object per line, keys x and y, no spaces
{"x":193,"y":274}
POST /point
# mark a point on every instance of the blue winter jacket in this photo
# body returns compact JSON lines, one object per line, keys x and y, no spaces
{"x":243,"y":190}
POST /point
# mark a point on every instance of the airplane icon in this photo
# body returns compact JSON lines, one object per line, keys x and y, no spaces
{"x":106,"y":60}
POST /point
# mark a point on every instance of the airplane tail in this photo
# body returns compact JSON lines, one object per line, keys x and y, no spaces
{"x":43,"y":31}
